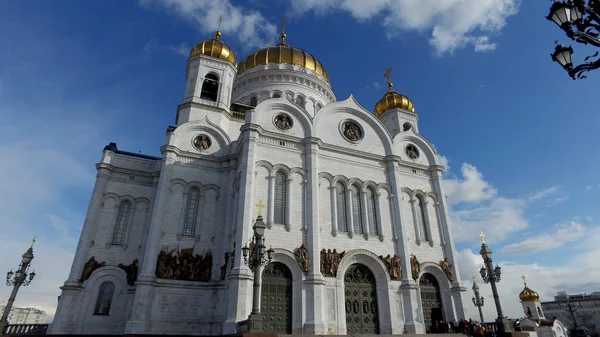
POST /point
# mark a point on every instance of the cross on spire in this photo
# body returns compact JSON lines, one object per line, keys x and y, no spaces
{"x":260,"y":206}
{"x":473,"y":278}
{"x":524,"y":279}
{"x":32,"y":242}
{"x":218,"y":32}
{"x":283,"y":35}
{"x":482,"y":237}
{"x":388,"y":75}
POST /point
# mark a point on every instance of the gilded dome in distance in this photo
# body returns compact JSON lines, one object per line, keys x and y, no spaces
{"x":392,"y":99}
{"x":528,"y":295}
{"x":215,"y":48}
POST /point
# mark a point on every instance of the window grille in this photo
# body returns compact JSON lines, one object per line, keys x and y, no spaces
{"x":357,"y":210}
{"x":280,"y":198}
{"x":341,"y":208}
{"x":372,"y":212}
{"x":421,"y":219}
{"x":191,"y":212}
{"x":122,"y":222}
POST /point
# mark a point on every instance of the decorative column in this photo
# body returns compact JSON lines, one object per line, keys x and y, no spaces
{"x":378,"y":223}
{"x":458,"y":289}
{"x":365,"y":217}
{"x":334,"y":214}
{"x":408,"y":287}
{"x":315,"y":283}
{"x":89,"y":224}
{"x":427,"y":223}
{"x":416,"y":220}
{"x":349,"y":212}
{"x":141,"y":317}
{"x":271,"y":201}
{"x":438,"y":217}
{"x":288,"y":204}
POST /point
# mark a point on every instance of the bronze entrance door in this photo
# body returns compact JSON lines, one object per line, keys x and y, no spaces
{"x":361,"y":301}
{"x":276,"y":298}
{"x":431,"y":301}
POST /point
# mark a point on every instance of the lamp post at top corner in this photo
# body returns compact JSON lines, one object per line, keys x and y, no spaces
{"x":491,"y":275}
{"x":581,"y":23}
{"x":16,"y":280}
{"x":254,"y":258}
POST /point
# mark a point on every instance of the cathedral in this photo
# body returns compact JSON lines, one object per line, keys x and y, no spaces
{"x":356,"y":219}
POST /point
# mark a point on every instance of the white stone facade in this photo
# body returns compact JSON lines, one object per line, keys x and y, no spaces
{"x":240,"y":168}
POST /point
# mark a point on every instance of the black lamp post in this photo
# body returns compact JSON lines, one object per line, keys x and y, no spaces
{"x":581,"y":23}
{"x":254,"y":257}
{"x":16,"y":280}
{"x":491,"y":275}
{"x":477,"y":300}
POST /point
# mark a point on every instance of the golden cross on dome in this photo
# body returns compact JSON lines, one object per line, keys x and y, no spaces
{"x":388,"y":75}
{"x":482,"y":237}
{"x":218,"y":32}
{"x":524,"y":279}
{"x":260,"y":206}
{"x":32,"y":242}
{"x":473,"y":278}
{"x":283,"y":35}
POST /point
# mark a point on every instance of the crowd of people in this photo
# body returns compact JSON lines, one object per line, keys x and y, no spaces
{"x":467,"y":327}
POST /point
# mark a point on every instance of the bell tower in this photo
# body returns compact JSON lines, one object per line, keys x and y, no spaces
{"x":211,"y":70}
{"x":530,"y":300}
{"x":396,"y":111}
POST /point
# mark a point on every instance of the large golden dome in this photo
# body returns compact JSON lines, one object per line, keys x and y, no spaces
{"x":283,"y":53}
{"x":528,"y":295}
{"x":214,"y":48}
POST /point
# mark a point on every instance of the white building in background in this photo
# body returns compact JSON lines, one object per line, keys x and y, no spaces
{"x":586,"y":306}
{"x":356,"y":212}
{"x":537,"y":322}
{"x":24,"y":315}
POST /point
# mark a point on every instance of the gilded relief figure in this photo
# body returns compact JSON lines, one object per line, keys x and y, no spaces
{"x":89,"y":268}
{"x":303,"y":258}
{"x":393,"y":265}
{"x":330,"y":261}
{"x":447,"y":269}
{"x":131,"y":271}
{"x":184,"y":265}
{"x":352,"y":131}
{"x":415,"y":267}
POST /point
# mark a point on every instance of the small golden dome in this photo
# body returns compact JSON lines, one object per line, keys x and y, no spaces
{"x":528,"y":295}
{"x":214,"y":48}
{"x":392,"y":99}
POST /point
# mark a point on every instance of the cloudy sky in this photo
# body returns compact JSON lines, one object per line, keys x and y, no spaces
{"x":519,"y":136}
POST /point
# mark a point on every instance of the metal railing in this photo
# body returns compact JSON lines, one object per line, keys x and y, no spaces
{"x":25,"y":329}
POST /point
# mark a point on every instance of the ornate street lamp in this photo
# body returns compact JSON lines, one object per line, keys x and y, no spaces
{"x":19,"y":279}
{"x":581,"y":23}
{"x":254,"y":258}
{"x":491,"y":275}
{"x":478,"y":300}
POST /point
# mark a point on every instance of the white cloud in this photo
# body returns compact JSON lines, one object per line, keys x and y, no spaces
{"x":588,"y":187}
{"x":470,"y":188}
{"x":445,"y":162}
{"x":246,"y":25}
{"x":539,"y":195}
{"x":453,"y":24}
{"x":151,"y":45}
{"x":558,"y":237}
{"x":182,"y":49}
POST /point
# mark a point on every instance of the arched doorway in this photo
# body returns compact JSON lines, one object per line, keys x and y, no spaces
{"x":431,"y":301}
{"x":276,"y":298}
{"x":361,"y":301}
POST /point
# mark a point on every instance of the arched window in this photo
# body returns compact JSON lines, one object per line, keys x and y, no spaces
{"x":357,"y":210}
{"x":372,"y":212}
{"x":122,"y":222}
{"x":280,"y":198}
{"x":319,"y":106}
{"x":253,"y":101}
{"x":421,"y":219}
{"x":210,"y":87}
{"x":342,"y":217}
{"x":300,"y":101}
{"x":105,"y":295}
{"x":276,"y":95}
{"x":191,"y":212}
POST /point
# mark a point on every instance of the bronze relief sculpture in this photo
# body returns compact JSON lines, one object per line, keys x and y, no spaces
{"x":330,"y":261}
{"x":415,"y":267}
{"x":89,"y":268}
{"x":302,"y":257}
{"x":393,"y":265}
{"x":447,"y":269}
{"x":184,"y":265}
{"x":131,"y":271}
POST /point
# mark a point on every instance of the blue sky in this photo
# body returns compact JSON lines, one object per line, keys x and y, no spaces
{"x":518,"y":134}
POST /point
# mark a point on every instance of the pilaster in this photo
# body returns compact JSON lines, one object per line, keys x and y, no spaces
{"x":315,"y":283}
{"x":413,"y":315}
